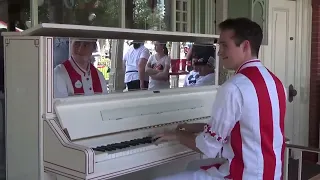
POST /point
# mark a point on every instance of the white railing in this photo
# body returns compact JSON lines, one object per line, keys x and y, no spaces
{"x":298,"y":149}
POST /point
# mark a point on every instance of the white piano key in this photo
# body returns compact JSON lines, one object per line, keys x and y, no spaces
{"x":103,"y":156}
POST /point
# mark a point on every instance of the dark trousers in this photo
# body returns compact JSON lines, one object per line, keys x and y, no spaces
{"x":135,"y":85}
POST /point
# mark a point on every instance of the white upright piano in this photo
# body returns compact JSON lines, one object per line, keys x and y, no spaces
{"x":93,"y":137}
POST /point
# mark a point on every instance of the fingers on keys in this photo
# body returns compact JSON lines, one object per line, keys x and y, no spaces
{"x":158,"y":139}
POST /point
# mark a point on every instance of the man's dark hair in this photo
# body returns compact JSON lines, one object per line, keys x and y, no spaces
{"x":244,"y":29}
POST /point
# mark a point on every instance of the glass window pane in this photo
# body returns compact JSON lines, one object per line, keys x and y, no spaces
{"x":185,"y":17}
{"x":185,"y":6}
{"x":178,"y":4}
{"x":178,"y":16}
{"x":81,"y":12}
{"x":139,"y":14}
{"x":184,"y":29}
{"x":178,"y":27}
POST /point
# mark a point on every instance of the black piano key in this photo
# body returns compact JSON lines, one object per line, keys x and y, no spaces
{"x":125,"y":144}
{"x":99,"y":149}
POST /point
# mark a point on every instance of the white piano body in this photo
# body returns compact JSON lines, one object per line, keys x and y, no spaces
{"x":36,"y":143}
{"x":105,"y":120}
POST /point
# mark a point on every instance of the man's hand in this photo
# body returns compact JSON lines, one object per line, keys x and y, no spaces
{"x":191,"y":128}
{"x":183,"y":127}
{"x":164,"y":137}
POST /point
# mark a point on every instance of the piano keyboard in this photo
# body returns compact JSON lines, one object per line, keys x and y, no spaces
{"x":125,"y":144}
{"x":125,"y":148}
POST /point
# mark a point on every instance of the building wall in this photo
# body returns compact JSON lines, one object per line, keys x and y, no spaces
{"x":314,"y":113}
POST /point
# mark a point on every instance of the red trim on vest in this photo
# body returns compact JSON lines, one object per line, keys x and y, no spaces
{"x":96,"y":83}
{"x":74,"y":77}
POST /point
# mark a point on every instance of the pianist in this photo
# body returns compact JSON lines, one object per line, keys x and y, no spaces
{"x":77,"y":75}
{"x":247,"y":121}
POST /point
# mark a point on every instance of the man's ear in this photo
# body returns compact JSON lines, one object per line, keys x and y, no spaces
{"x":245,"y":45}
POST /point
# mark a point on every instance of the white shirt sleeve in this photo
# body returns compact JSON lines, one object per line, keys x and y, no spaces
{"x":206,"y":80}
{"x":59,"y":83}
{"x":125,"y":57}
{"x":226,"y":112}
{"x":145,"y":54}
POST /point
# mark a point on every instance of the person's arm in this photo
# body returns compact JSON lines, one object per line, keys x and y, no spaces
{"x":163,"y":75}
{"x":59,"y":83}
{"x":124,"y":61}
{"x":142,"y":65}
{"x":149,"y":70}
{"x":204,"y":81}
{"x":189,"y":54}
{"x":226,"y":112}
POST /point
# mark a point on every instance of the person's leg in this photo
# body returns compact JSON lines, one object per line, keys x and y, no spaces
{"x":188,"y":175}
{"x":133,"y":85}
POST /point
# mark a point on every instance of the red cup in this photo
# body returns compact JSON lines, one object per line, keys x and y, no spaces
{"x":183,"y":64}
{"x":175,"y":63}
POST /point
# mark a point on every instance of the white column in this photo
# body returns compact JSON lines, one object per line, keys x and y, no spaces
{"x":175,"y":54}
{"x":116,"y":76}
{"x":221,"y":12}
{"x":34,"y":11}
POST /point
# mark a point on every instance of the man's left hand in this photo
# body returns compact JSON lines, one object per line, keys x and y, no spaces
{"x":168,"y":136}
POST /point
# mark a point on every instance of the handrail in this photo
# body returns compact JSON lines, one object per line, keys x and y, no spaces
{"x":299,"y":149}
{"x":303,"y":148}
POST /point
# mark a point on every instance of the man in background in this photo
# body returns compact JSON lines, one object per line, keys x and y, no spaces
{"x":134,"y":62}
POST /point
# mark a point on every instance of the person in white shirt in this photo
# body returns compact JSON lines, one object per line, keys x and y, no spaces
{"x":158,"y":67}
{"x":248,"y":114}
{"x":77,"y":75}
{"x":203,"y":67}
{"x":134,"y":62}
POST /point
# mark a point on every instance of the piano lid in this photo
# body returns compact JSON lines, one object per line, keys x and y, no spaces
{"x":91,"y":116}
{"x":69,"y":30}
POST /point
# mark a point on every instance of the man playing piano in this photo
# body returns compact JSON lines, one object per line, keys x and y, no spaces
{"x":247,"y":121}
{"x":77,"y":75}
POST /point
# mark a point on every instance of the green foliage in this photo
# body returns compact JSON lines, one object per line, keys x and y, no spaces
{"x":107,"y":13}
{"x":145,"y":19}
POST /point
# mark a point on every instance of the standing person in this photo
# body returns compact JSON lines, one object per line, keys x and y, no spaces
{"x":134,"y":62}
{"x":247,"y":121}
{"x":158,"y":67}
{"x":77,"y":76}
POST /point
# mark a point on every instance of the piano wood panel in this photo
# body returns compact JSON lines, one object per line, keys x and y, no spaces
{"x":83,"y":117}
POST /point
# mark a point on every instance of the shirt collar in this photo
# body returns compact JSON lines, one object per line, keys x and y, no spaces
{"x":250,"y":63}
{"x":79,"y":70}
